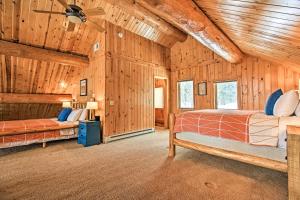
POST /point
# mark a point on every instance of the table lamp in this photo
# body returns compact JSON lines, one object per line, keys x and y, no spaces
{"x":92,"y":106}
{"x":66,"y":104}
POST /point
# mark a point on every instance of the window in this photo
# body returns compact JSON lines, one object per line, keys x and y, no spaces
{"x":186,"y":94}
{"x":159,"y":97}
{"x":226,"y":95}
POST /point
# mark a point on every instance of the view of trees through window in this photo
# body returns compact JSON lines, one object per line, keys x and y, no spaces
{"x":186,"y":94}
{"x":226,"y":95}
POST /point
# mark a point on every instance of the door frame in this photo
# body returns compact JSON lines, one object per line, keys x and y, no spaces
{"x":166,"y":100}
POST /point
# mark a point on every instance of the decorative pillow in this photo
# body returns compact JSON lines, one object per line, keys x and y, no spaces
{"x":297,"y":111}
{"x":271,"y":101}
{"x":83,"y":115}
{"x":286,"y":104}
{"x":74,"y":116}
{"x":63,"y":115}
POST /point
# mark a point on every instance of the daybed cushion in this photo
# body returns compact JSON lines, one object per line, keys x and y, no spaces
{"x":271,"y":101}
{"x":286,"y":104}
{"x":83,"y":115}
{"x":74,"y":116}
{"x":63,"y":115}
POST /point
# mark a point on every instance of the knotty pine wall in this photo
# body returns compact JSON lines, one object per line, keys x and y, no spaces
{"x":95,"y":74}
{"x":257,"y":78}
{"x":132,"y":62}
{"x":27,"y":76}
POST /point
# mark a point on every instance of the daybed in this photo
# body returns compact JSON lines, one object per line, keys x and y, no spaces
{"x":24,"y":132}
{"x":245,"y":136}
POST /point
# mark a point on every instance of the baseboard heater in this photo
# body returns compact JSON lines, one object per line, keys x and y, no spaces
{"x":127,"y":135}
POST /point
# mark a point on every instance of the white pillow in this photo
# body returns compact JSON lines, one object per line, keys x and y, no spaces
{"x":74,"y":116}
{"x":286,"y":104}
{"x":297,"y":111}
{"x":83,"y":115}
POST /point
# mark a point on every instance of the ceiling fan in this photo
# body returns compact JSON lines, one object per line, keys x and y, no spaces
{"x":77,"y":15}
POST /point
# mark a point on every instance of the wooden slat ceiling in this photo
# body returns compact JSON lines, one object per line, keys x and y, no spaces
{"x":265,"y":28}
{"x":21,"y":75}
{"x":19,"y":23}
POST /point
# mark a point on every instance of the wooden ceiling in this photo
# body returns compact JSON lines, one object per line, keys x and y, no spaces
{"x":265,"y":28}
{"x":21,"y":75}
{"x":19,"y":23}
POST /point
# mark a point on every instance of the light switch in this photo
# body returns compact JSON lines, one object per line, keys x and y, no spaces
{"x":111,"y":103}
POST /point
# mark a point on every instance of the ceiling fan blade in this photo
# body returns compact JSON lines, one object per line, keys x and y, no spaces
{"x":64,"y":4}
{"x":94,"y":11}
{"x":71,"y":26}
{"x":95,"y":25}
{"x":48,"y":12}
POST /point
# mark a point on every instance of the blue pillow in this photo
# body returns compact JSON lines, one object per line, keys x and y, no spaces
{"x":271,"y":101}
{"x":63,"y":115}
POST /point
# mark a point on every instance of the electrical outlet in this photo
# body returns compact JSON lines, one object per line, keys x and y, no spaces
{"x":111,"y":103}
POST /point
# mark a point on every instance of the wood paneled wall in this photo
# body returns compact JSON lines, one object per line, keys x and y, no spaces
{"x":21,"y":75}
{"x":256,"y":77}
{"x":132,"y":62}
{"x":9,"y":111}
{"x":26,"y":76}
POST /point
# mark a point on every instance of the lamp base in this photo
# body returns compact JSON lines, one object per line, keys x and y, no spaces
{"x":91,"y":115}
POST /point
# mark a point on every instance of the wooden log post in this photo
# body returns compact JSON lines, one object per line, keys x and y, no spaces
{"x":172,"y":135}
{"x":293,"y":154}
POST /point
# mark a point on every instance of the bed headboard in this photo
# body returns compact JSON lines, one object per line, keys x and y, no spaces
{"x":78,"y":105}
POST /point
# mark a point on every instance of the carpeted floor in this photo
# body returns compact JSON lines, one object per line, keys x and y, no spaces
{"x":135,"y":168}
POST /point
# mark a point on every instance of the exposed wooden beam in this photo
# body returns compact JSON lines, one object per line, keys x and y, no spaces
{"x":25,"y":51}
{"x":34,"y":98}
{"x":149,"y":18}
{"x":186,"y":15}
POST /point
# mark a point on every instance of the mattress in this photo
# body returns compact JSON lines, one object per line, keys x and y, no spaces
{"x":272,"y":153}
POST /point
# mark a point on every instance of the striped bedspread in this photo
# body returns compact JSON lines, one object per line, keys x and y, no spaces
{"x":228,"y":124}
{"x":251,"y":127}
{"x":28,"y":125}
{"x":22,"y":132}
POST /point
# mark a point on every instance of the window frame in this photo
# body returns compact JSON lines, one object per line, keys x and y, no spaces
{"x":178,"y":95}
{"x":216,"y":96}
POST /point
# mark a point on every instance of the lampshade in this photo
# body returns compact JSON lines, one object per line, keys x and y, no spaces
{"x":92,"y":105}
{"x":66,"y":104}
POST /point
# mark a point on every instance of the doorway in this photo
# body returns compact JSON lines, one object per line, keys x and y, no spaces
{"x":161,"y":102}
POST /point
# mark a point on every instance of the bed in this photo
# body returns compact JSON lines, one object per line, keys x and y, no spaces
{"x":246,"y":136}
{"x":24,"y":132}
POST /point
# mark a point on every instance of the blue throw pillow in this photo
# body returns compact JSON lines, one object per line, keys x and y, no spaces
{"x":271,"y":101}
{"x":63,"y":115}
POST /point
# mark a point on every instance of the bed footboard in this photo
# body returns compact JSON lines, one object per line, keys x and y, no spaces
{"x":172,"y":135}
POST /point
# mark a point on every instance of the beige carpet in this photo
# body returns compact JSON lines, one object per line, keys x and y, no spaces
{"x":135,"y":168}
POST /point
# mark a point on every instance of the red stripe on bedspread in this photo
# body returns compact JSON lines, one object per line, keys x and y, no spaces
{"x":225,"y":124}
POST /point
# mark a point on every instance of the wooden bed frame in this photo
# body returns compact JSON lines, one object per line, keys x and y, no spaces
{"x":292,"y":167}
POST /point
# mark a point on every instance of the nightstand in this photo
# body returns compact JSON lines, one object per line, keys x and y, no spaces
{"x":89,"y":133}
